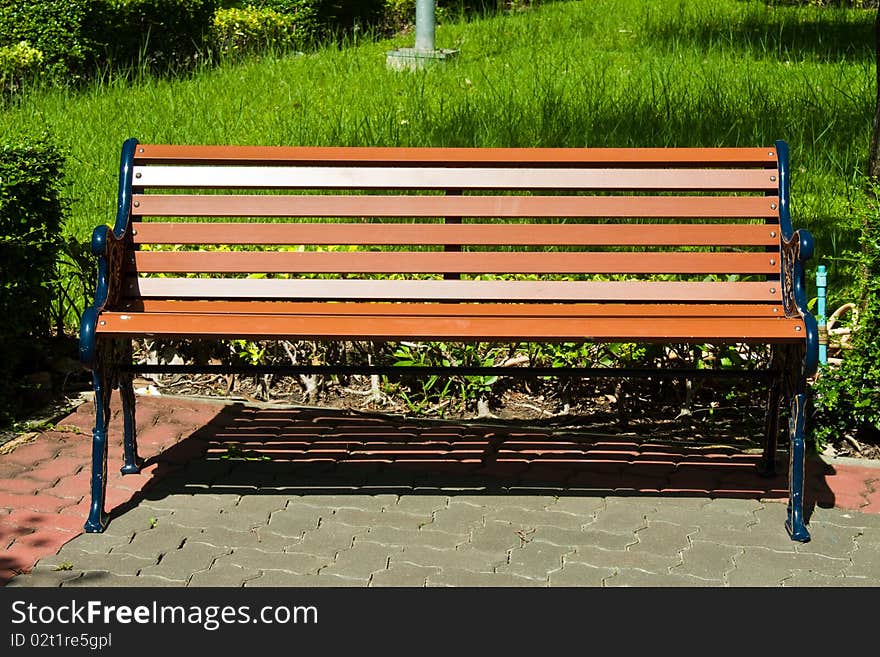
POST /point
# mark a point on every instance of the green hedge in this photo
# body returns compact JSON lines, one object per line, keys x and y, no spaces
{"x":18,"y":64}
{"x":848,"y":396}
{"x":159,"y":34}
{"x":54,"y":27}
{"x":31,"y":215}
{"x":244,"y":30}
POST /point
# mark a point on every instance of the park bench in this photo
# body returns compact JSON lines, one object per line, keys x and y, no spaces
{"x":646,"y":245}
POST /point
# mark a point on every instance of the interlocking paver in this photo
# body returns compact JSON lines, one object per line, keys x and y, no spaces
{"x":403,"y":574}
{"x":276,"y":578}
{"x":80,"y":561}
{"x":361,"y":560}
{"x":640,"y":578}
{"x":296,"y":562}
{"x":580,"y":574}
{"x":224,"y":574}
{"x":328,"y":539}
{"x":187,"y":560}
{"x":535,"y":560}
{"x":460,"y":577}
{"x":706,"y":560}
{"x":618,"y":518}
{"x":865,"y":560}
{"x":44,"y":577}
{"x":765,"y":567}
{"x":295,"y":521}
{"x":354,"y":501}
{"x":583,"y":506}
{"x":153,"y":543}
{"x":420,"y":505}
{"x":106,"y":578}
{"x":458,"y":518}
{"x":497,"y":537}
{"x":593,"y":556}
{"x":807,"y":578}
{"x":394,"y":537}
{"x":662,"y":538}
{"x":533,"y":518}
{"x":463,"y":558}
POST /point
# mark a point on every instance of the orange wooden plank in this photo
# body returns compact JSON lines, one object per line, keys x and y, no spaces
{"x":493,"y":234}
{"x":338,"y":205}
{"x":348,"y":177}
{"x":433,"y":262}
{"x":207,"y":154}
{"x":452,"y":290}
{"x":451,"y":310}
{"x":384,"y":327}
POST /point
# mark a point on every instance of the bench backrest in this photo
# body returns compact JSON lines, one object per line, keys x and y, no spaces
{"x":495,"y":224}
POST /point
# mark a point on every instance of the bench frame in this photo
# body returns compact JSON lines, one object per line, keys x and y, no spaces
{"x":109,"y":358}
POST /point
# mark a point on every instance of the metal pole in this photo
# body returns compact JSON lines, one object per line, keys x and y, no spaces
{"x":425,"y":25}
{"x":821,"y":283}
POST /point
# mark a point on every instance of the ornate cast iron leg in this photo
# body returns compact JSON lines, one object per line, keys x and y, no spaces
{"x":795,"y":522}
{"x":767,"y":465}
{"x":132,"y":461}
{"x":97,"y":519}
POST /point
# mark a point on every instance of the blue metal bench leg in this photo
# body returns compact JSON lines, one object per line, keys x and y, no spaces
{"x":795,"y":521}
{"x":97,"y":519}
{"x":767,"y":465}
{"x":132,"y":461}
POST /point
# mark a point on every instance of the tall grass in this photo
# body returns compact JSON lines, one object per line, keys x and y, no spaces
{"x":576,"y":73}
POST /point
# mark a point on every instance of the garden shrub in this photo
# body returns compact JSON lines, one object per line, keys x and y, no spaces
{"x":18,"y":64}
{"x":31,"y":215}
{"x":158,"y":34}
{"x":54,"y":28}
{"x":238,"y":31}
{"x":848,"y":395}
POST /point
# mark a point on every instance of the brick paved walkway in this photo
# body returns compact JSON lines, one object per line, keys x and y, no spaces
{"x":255,"y":496}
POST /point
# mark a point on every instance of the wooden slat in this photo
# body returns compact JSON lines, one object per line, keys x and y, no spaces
{"x":763,"y":310}
{"x":473,"y":234}
{"x":384,"y":327}
{"x":433,"y":262}
{"x":306,"y":177}
{"x":447,"y":290}
{"x":220,"y":154}
{"x":330,"y":205}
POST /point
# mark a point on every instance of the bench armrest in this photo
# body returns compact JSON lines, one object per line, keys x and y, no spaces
{"x":796,"y":250}
{"x":110,"y":251}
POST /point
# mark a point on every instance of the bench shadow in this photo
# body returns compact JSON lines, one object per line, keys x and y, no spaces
{"x":251,"y":450}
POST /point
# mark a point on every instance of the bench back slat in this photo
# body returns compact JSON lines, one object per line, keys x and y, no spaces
{"x":338,"y":206}
{"x":452,"y":290}
{"x":420,"y":156}
{"x":306,"y":177}
{"x":432,"y":262}
{"x":572,"y":234}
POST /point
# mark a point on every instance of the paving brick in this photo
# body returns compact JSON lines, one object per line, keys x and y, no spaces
{"x":281,"y":578}
{"x":865,"y":560}
{"x":581,"y":537}
{"x":259,"y":538}
{"x":328,"y":539}
{"x":497,"y":537}
{"x":103,"y":578}
{"x":535,"y":561}
{"x":262,"y":504}
{"x":395,"y":537}
{"x":580,"y":574}
{"x":21,"y":485}
{"x":32,"y":520}
{"x":806,"y":579}
{"x":403,"y":574}
{"x":639,"y":578}
{"x":182,"y":563}
{"x":764,"y":567}
{"x":80,"y":561}
{"x":43,"y":577}
{"x":461,"y":577}
{"x":706,"y":560}
{"x":617,"y":518}
{"x":41,"y":503}
{"x":295,"y":562}
{"x":295,"y":521}
{"x":420,"y":505}
{"x":139,"y":518}
{"x":357,"y":502}
{"x":463,"y":558}
{"x":153,"y":543}
{"x":224,"y":574}
{"x":598,"y":557}
{"x":362,"y":560}
{"x":662,"y":538}
{"x":585,"y":507}
{"x":100,"y":543}
{"x":534,"y":518}
{"x":457,"y":519}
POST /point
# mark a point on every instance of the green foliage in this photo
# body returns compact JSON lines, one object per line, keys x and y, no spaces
{"x":18,"y":64}
{"x":52,"y":27}
{"x":246,"y":30}
{"x":31,"y":215}
{"x":157,"y":34}
{"x":848,"y":396}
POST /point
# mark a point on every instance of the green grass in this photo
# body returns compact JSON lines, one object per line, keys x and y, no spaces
{"x":590,"y":73}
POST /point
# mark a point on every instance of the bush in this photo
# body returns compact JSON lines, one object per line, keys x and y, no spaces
{"x":18,"y":64}
{"x":250,"y":29}
{"x":31,"y":216}
{"x":848,"y":396}
{"x":159,"y":34}
{"x":52,"y":27}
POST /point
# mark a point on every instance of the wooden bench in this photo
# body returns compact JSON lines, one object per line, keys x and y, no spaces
{"x":653,"y":245}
